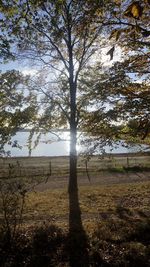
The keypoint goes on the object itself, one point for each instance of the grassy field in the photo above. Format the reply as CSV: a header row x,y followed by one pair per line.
x,y
118,181
115,210
95,202
59,166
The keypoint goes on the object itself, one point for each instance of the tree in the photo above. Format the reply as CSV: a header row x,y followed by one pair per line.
x,y
5,53
129,26
17,106
131,32
121,104
62,36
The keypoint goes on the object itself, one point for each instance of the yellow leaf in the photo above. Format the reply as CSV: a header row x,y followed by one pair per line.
x,y
135,10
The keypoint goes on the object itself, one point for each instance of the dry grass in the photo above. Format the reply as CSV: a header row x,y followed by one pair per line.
x,y
115,214
106,194
95,201
59,166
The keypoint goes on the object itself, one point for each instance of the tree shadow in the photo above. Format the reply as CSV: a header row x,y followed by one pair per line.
x,y
77,239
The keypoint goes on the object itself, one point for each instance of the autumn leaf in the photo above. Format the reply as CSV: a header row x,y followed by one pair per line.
x,y
135,10
117,2
115,34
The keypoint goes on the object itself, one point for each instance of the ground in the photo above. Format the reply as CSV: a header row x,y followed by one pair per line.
x,y
111,182
114,198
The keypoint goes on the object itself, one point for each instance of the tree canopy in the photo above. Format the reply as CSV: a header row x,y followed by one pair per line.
x,y
129,25
17,106
63,38
120,104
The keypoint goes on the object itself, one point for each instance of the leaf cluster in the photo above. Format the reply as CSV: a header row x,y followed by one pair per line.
x,y
17,106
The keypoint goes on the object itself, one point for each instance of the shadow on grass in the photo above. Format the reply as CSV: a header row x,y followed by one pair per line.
x,y
122,240
116,241
39,246
78,245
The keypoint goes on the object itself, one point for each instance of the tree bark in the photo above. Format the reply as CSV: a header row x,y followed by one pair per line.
x,y
73,187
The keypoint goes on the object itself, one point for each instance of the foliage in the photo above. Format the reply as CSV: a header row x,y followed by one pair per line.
x,y
47,242
17,106
118,106
129,26
12,202
113,242
13,196
61,36
42,245
5,53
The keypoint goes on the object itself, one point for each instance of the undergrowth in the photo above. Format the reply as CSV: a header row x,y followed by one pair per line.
x,y
117,241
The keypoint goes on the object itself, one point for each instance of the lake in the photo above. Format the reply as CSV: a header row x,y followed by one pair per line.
x,y
50,145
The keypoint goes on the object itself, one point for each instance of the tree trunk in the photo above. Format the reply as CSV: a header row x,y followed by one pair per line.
x,y
73,187
78,241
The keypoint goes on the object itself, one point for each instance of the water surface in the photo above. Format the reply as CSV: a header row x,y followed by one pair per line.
x,y
50,145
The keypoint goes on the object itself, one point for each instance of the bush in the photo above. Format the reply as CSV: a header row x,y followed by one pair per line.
x,y
36,246
136,255
47,241
12,203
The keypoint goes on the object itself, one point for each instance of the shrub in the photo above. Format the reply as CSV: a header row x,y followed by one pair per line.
x,y
12,203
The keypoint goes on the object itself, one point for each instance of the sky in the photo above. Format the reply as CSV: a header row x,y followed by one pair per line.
x,y
27,69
